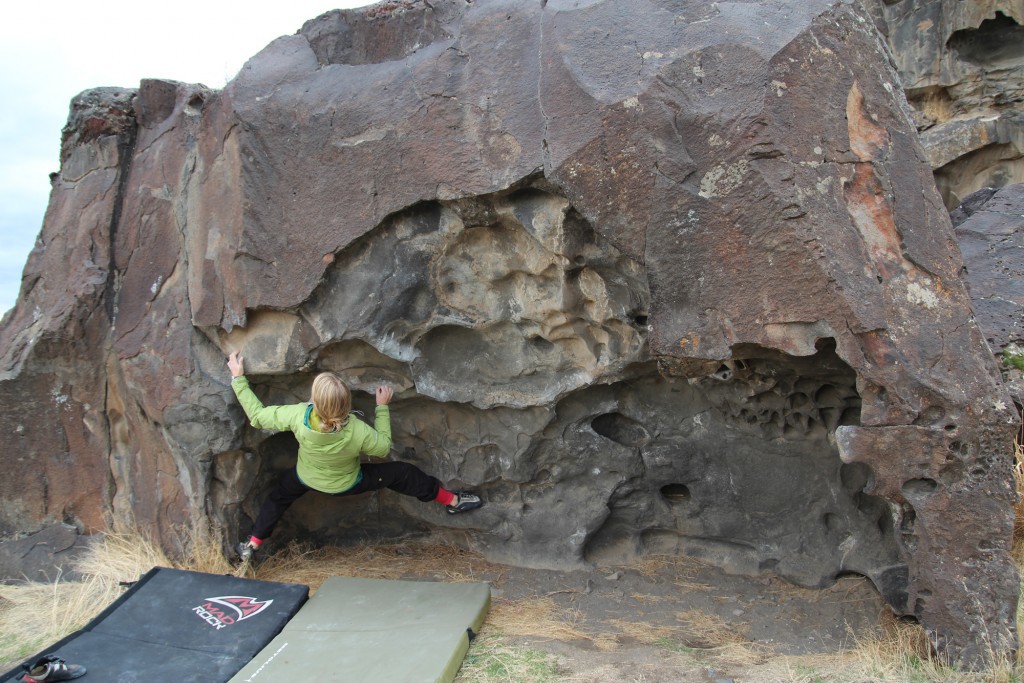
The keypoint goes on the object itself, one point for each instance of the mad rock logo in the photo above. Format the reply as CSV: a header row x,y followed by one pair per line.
x,y
229,609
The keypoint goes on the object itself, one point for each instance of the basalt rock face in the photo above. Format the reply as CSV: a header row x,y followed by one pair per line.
x,y
661,279
989,226
962,65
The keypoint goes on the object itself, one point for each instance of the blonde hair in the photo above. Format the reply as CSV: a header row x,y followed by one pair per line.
x,y
332,401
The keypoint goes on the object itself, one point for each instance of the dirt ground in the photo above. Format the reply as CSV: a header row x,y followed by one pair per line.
x,y
660,620
674,620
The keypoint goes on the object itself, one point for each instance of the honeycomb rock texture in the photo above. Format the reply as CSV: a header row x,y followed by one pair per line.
x,y
671,277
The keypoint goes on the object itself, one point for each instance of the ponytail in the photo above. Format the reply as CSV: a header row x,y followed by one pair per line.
x,y
332,401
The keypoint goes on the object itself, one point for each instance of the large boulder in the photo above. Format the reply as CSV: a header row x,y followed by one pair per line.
x,y
666,279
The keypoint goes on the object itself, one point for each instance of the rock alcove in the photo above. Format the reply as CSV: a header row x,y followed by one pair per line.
x,y
516,337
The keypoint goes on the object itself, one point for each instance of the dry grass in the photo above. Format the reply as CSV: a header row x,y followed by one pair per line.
x,y
1018,524
34,614
900,653
491,659
721,640
682,567
705,637
311,566
540,617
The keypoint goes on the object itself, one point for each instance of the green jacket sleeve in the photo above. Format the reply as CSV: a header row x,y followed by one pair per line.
x,y
275,418
377,442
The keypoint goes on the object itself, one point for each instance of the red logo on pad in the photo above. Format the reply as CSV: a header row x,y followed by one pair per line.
x,y
229,609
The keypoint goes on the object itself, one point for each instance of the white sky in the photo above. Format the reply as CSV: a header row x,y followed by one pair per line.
x,y
51,51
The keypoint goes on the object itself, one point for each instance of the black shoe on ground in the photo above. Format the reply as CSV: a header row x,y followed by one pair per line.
x,y
465,502
52,668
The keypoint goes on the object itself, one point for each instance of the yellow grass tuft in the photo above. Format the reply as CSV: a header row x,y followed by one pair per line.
x,y
680,566
1018,526
539,617
718,638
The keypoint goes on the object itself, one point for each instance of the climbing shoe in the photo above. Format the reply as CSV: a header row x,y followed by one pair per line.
x,y
245,549
464,502
51,668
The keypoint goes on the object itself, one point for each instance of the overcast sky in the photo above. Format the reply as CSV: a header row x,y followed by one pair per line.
x,y
51,51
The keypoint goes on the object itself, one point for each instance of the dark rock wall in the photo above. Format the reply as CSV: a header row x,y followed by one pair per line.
x,y
989,226
662,278
962,64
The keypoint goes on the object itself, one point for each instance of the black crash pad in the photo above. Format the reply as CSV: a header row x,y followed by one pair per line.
x,y
175,625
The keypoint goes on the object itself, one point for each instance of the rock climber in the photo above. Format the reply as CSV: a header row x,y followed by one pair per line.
x,y
331,440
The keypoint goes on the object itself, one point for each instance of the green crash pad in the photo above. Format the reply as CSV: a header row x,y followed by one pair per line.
x,y
356,629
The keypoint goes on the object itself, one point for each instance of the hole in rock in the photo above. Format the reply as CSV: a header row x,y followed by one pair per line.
x,y
908,520
918,488
931,415
854,476
997,41
988,544
870,506
541,344
850,417
676,493
723,373
957,447
640,320
620,429
829,395
893,583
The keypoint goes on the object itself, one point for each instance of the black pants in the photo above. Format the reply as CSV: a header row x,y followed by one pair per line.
x,y
402,477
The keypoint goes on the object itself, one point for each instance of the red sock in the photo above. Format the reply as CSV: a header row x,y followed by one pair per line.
x,y
256,541
444,497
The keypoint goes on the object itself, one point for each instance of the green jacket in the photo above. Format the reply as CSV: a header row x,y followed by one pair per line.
x,y
328,461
